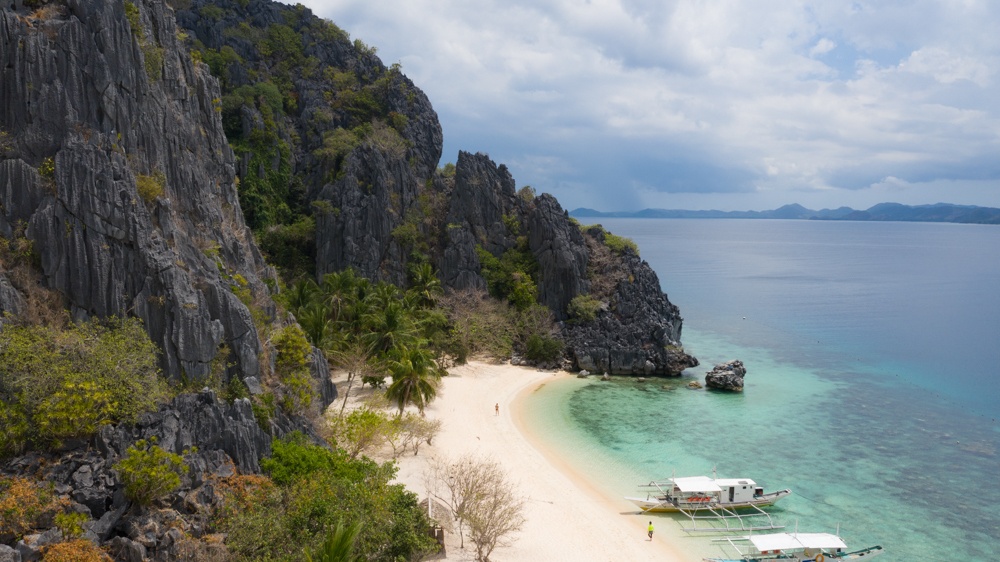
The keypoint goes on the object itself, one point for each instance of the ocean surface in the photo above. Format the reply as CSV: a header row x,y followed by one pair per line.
x,y
872,391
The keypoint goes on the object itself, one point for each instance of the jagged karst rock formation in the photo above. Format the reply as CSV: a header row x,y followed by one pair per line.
x,y
356,184
116,171
117,167
82,97
727,376
379,200
638,332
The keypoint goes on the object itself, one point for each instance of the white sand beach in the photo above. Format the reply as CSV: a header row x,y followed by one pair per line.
x,y
567,519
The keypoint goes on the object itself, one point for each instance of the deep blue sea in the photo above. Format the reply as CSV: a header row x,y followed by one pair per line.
x,y
873,384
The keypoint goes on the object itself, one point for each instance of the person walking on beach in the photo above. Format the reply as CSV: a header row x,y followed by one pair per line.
x,y
497,408
650,533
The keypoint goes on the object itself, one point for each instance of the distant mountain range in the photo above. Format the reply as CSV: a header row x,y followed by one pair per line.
x,y
939,212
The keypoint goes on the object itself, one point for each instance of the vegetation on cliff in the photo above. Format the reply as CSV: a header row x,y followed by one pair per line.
x,y
61,384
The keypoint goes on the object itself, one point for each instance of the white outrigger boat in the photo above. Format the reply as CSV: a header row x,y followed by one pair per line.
x,y
701,492
794,547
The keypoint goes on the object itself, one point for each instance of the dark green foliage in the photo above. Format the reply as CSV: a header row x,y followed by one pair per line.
x,y
264,197
511,276
291,247
320,489
294,457
542,348
211,12
292,369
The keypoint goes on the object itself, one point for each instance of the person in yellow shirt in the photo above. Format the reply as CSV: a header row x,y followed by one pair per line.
x,y
650,530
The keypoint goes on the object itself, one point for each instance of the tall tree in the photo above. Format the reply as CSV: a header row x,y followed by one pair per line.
x,y
415,378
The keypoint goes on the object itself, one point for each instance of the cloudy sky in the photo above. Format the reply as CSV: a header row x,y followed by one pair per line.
x,y
708,104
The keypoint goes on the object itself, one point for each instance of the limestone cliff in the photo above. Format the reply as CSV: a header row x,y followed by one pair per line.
x,y
364,143
118,171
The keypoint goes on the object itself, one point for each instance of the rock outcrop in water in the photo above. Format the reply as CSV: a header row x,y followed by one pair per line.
x,y
727,376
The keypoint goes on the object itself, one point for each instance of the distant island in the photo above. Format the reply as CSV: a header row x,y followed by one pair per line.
x,y
939,212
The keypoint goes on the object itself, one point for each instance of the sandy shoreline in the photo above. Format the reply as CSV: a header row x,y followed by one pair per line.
x,y
567,518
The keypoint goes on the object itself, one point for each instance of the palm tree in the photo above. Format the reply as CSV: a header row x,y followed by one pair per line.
x,y
301,294
389,327
338,545
415,378
425,285
342,291
315,321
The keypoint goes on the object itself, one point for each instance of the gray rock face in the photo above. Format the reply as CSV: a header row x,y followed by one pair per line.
x,y
640,330
482,197
99,108
368,193
637,334
727,376
369,202
8,554
197,420
561,253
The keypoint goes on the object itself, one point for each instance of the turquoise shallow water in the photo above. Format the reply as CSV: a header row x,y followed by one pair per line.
x,y
871,389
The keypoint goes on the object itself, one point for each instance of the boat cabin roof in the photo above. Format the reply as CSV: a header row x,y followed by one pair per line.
x,y
796,541
706,484
727,482
696,484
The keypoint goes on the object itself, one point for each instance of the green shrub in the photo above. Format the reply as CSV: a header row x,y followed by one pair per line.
x,y
71,523
264,407
211,12
148,472
151,187
47,169
543,348
75,409
64,383
292,369
294,457
511,275
583,308
152,56
281,522
132,15
527,194
619,244
15,429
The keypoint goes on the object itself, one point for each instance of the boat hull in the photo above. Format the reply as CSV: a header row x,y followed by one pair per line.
x,y
863,554
654,505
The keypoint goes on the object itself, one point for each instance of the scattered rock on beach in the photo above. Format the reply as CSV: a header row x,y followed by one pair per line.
x,y
727,376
